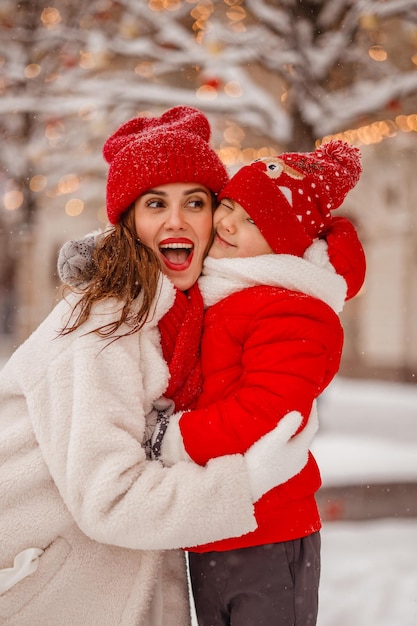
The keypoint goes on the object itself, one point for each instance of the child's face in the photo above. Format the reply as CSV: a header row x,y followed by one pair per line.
x,y
236,234
176,221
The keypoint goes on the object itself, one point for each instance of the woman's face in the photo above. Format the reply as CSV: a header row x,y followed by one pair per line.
x,y
176,221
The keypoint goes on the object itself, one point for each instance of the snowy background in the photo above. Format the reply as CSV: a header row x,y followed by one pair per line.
x,y
368,435
271,75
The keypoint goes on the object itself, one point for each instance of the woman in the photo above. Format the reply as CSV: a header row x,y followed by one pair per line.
x,y
89,527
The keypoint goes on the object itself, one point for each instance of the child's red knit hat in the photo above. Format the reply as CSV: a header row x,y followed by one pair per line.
x,y
150,151
290,197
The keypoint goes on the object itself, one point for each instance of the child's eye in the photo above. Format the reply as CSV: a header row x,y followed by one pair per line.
x,y
250,220
226,206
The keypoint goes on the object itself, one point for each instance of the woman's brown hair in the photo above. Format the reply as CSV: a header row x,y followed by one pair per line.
x,y
123,268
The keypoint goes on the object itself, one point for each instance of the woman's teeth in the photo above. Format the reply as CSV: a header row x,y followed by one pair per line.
x,y
176,253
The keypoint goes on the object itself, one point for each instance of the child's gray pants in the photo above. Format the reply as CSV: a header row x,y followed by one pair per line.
x,y
270,585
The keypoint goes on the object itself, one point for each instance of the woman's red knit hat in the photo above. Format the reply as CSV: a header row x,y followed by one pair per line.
x,y
150,151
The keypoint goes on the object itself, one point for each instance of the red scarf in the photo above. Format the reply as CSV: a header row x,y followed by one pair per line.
x,y
180,330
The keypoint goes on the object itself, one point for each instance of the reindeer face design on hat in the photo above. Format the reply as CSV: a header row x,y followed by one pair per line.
x,y
276,166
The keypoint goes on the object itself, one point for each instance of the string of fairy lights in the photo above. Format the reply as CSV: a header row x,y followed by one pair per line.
x,y
231,149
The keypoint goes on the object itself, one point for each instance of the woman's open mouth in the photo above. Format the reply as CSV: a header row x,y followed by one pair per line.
x,y
177,254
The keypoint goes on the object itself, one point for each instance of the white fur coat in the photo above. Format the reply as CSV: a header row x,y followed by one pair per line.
x,y
75,485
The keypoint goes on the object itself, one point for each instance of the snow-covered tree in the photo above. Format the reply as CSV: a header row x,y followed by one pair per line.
x,y
270,74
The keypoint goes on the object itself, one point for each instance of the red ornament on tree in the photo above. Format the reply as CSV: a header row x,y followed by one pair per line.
x,y
394,105
215,83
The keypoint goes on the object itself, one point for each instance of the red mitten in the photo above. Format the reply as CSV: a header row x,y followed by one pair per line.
x,y
346,253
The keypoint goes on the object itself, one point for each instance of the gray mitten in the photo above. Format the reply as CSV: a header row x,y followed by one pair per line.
x,y
278,456
151,421
75,260
168,441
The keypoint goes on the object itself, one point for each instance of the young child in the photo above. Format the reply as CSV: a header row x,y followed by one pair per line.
x,y
278,272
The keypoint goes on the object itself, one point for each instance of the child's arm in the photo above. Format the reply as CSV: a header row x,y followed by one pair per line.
x,y
291,356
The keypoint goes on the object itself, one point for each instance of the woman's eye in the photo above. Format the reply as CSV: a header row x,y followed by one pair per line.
x,y
196,204
155,204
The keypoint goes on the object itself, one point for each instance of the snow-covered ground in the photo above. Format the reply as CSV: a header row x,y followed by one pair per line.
x,y
368,434
369,573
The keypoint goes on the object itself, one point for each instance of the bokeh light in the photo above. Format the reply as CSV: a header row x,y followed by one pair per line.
x,y
38,183
50,17
13,200
74,207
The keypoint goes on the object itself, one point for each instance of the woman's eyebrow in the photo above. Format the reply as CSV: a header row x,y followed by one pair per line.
x,y
154,192
186,193
194,190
